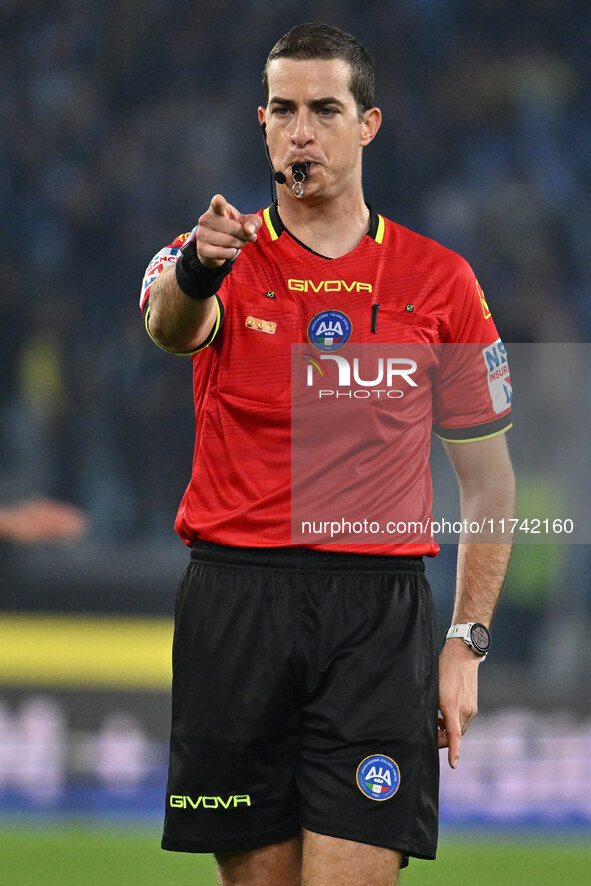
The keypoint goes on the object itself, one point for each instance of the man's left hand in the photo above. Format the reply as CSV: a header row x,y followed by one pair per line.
x,y
458,695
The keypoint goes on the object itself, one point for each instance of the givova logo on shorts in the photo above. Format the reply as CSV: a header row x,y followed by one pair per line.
x,y
378,777
183,801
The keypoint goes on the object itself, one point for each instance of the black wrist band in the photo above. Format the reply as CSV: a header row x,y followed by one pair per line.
x,y
196,280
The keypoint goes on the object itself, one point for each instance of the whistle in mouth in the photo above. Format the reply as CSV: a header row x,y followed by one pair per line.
x,y
299,172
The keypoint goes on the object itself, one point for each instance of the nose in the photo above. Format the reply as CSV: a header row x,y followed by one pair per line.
x,y
302,133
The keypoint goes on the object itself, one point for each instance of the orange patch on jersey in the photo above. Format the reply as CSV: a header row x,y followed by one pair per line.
x,y
259,325
485,308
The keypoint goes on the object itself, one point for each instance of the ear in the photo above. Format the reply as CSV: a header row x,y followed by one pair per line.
x,y
262,115
370,123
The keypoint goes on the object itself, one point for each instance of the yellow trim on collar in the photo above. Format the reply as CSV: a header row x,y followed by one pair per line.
x,y
381,230
269,223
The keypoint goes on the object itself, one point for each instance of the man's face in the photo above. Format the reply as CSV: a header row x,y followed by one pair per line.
x,y
312,117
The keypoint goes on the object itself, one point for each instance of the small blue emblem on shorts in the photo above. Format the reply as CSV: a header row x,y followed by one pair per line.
x,y
378,777
329,330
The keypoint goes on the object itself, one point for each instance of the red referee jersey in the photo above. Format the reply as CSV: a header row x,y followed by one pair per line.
x,y
317,390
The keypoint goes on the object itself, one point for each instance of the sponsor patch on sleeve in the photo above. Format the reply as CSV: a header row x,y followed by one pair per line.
x,y
160,261
498,376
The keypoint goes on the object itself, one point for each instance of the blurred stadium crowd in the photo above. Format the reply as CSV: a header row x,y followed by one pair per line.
x,y
121,119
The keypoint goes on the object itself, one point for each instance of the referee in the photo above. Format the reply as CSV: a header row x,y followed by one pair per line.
x,y
306,680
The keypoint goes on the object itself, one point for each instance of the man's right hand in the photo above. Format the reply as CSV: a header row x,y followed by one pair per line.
x,y
222,231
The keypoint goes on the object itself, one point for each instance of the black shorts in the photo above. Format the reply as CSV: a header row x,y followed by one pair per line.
x,y
305,693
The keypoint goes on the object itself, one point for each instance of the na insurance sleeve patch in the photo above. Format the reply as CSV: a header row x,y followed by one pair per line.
x,y
498,376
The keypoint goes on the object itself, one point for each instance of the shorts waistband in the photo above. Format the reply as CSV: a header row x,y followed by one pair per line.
x,y
304,559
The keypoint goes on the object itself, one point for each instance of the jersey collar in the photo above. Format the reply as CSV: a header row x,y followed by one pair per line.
x,y
276,227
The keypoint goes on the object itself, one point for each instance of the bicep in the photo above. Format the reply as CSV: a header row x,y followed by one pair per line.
x,y
481,463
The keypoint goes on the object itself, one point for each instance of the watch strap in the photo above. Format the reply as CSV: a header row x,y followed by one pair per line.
x,y
474,634
196,280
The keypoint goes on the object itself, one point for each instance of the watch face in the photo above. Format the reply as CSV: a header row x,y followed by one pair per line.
x,y
480,637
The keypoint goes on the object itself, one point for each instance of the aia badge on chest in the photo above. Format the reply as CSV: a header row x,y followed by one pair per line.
x,y
378,777
329,330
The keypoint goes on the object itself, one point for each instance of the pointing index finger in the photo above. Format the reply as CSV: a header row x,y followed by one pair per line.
x,y
220,205
247,224
251,224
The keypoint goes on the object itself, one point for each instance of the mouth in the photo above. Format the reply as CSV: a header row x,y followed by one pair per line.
x,y
305,166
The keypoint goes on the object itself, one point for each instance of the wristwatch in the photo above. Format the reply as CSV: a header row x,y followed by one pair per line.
x,y
474,634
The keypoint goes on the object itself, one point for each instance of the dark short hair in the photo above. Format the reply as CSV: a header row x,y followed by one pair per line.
x,y
314,40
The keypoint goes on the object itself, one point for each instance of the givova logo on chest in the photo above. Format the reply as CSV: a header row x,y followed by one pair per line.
x,y
328,286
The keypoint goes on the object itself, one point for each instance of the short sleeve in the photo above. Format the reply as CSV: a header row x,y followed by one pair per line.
x,y
472,389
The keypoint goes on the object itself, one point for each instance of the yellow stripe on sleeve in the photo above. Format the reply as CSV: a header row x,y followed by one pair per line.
x,y
475,439
206,343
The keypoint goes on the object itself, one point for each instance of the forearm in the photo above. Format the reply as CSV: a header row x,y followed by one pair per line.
x,y
486,501
487,494
175,321
481,571
41,519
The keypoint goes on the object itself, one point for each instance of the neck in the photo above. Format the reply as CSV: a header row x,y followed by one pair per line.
x,y
331,228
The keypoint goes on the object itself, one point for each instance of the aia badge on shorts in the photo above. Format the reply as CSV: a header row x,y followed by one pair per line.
x,y
378,777
329,330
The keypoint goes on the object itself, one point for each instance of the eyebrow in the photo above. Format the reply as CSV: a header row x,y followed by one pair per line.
x,y
314,104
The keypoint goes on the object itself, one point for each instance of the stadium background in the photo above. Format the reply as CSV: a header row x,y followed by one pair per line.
x,y
119,121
